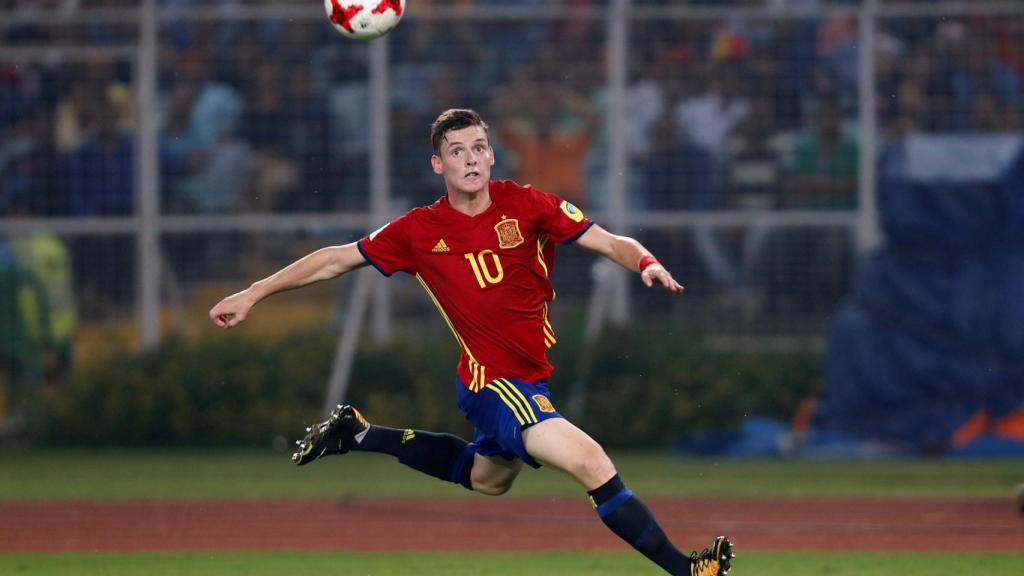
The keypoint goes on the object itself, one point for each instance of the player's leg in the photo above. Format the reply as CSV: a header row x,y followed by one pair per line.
x,y
443,456
560,444
494,475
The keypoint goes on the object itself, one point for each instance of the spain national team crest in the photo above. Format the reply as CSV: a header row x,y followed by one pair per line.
x,y
543,403
509,235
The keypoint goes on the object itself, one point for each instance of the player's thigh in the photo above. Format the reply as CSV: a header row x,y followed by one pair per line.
x,y
560,444
494,475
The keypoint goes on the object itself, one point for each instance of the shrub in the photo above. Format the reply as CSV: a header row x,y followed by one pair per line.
x,y
646,388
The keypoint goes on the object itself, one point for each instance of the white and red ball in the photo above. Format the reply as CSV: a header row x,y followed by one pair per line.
x,y
364,19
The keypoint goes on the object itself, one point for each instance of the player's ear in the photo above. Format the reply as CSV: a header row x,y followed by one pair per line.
x,y
435,162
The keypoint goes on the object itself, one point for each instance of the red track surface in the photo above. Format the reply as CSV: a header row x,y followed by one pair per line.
x,y
505,524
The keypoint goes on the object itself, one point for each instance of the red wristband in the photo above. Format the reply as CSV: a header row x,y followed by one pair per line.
x,y
647,261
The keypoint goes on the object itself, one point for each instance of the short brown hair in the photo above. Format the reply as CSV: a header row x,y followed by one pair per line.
x,y
453,119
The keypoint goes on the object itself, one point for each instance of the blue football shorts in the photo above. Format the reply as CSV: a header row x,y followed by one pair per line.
x,y
501,410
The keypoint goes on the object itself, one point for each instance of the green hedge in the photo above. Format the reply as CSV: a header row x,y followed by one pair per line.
x,y
646,389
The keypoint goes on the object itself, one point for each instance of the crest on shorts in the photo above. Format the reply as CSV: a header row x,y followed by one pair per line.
x,y
509,235
543,403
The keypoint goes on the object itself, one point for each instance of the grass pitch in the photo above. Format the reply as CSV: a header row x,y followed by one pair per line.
x,y
213,474
56,474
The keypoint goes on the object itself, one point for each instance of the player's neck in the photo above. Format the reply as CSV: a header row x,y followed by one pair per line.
x,y
470,204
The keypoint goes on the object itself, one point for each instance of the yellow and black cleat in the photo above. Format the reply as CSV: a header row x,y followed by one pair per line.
x,y
336,435
715,560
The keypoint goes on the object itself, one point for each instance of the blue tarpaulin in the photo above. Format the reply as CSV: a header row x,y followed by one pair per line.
x,y
934,332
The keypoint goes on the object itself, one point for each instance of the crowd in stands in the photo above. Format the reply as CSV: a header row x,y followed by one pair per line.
x,y
272,116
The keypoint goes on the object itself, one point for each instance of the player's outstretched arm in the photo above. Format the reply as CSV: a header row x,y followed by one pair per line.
x,y
323,264
629,254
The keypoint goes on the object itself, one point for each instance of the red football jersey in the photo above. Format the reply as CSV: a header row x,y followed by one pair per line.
x,y
487,274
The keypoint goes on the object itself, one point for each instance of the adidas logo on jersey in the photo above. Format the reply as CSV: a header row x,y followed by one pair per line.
x,y
441,246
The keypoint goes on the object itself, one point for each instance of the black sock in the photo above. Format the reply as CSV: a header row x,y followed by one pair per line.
x,y
630,519
442,456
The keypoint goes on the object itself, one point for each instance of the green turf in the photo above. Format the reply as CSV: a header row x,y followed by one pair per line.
x,y
56,474
479,564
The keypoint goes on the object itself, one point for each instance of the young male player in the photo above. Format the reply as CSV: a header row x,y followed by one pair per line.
x,y
483,253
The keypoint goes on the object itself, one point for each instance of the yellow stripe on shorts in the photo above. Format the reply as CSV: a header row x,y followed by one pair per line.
x,y
531,416
513,407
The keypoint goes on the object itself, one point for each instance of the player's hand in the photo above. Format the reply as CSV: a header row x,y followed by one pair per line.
x,y
657,273
231,311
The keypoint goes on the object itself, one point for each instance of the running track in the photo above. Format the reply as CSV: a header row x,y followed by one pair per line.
x,y
480,523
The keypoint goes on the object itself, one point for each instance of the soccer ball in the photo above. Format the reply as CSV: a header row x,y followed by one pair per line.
x,y
364,19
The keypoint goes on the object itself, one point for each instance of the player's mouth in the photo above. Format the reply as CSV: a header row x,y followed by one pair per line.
x,y
471,175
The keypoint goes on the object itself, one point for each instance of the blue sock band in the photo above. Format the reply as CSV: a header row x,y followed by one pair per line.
x,y
630,520
612,504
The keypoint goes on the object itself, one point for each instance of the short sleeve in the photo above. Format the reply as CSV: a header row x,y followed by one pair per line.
x,y
559,219
388,247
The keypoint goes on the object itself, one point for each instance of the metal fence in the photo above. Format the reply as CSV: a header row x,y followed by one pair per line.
x,y
180,149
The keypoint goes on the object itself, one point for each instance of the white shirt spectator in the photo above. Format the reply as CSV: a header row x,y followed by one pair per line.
x,y
707,120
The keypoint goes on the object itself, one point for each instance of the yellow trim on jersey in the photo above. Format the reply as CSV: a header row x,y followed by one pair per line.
x,y
532,416
509,403
549,332
541,240
476,370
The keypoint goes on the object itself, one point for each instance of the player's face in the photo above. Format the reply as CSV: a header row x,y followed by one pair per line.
x,y
465,160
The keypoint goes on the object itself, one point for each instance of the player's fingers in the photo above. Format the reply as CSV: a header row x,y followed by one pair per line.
x,y
669,283
646,278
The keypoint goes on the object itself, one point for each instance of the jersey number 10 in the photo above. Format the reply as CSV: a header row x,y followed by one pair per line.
x,y
482,268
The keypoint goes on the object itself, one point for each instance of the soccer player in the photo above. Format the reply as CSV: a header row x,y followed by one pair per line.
x,y
484,253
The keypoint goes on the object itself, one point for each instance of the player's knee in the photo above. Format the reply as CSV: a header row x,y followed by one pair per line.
x,y
492,489
594,467
494,484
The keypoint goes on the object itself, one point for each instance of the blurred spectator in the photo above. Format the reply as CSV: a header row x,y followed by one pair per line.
x,y
264,126
100,90
17,84
890,55
753,174
916,108
26,31
287,130
30,172
968,69
419,185
675,174
309,140
708,118
101,171
823,168
837,49
44,256
793,53
548,129
23,314
648,97
206,163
